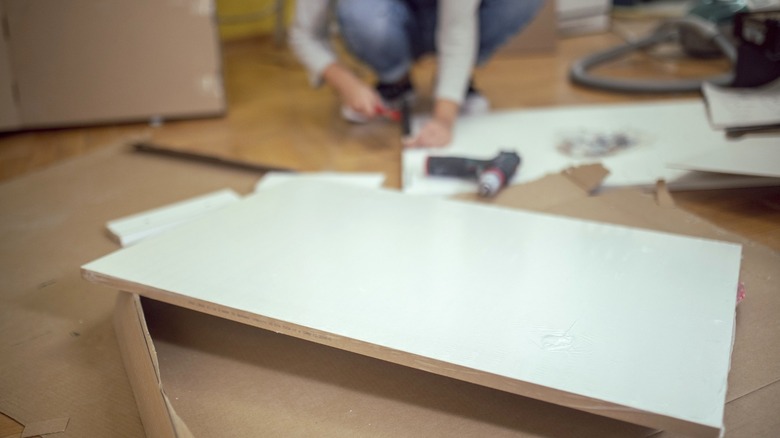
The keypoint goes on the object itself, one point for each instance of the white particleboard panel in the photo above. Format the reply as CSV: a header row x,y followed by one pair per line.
x,y
664,132
743,107
363,179
134,228
622,322
759,160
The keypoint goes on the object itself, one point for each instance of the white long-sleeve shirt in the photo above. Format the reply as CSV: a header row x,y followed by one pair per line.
x,y
456,40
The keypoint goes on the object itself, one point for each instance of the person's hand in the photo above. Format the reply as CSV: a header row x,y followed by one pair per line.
x,y
437,132
353,92
361,98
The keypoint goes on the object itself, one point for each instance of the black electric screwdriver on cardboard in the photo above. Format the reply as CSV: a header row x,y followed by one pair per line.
x,y
491,175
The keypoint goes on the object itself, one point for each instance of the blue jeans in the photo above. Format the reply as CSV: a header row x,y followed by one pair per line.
x,y
389,35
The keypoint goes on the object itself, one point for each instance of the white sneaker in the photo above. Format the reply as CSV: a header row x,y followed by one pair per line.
x,y
474,104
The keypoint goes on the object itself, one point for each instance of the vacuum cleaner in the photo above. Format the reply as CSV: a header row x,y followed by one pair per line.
x,y
708,30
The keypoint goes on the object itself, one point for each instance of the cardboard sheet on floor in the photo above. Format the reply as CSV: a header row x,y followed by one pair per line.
x,y
426,283
59,357
634,141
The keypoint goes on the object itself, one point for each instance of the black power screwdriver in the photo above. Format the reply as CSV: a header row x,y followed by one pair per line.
x,y
491,175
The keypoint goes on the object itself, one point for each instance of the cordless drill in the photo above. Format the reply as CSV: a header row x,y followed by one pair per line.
x,y
491,175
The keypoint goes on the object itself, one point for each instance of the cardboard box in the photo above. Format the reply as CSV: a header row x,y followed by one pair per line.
x,y
61,359
79,62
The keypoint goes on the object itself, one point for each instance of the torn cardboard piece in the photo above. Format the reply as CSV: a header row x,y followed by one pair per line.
x,y
103,270
46,427
142,368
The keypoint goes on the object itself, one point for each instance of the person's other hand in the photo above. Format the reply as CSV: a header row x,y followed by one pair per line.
x,y
435,133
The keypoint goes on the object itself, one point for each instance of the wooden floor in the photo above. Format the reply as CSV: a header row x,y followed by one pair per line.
x,y
275,118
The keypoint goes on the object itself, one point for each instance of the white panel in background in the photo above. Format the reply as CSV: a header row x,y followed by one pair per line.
x,y
367,179
618,321
657,134
132,229
743,107
758,160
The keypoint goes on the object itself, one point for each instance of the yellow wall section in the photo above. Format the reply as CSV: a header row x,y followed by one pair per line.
x,y
242,18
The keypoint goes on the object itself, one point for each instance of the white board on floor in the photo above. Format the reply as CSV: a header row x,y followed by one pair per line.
x,y
363,179
636,142
134,228
758,160
622,322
